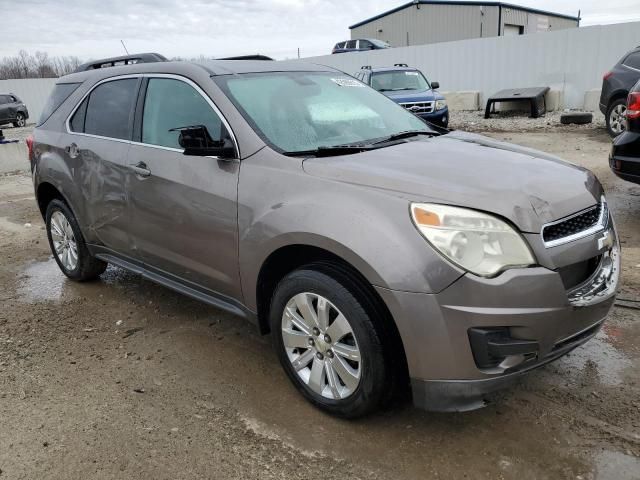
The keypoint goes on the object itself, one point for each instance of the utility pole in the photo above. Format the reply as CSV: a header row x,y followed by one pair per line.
x,y
125,48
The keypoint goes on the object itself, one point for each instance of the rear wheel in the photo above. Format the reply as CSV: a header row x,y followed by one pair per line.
x,y
68,246
21,121
328,344
616,117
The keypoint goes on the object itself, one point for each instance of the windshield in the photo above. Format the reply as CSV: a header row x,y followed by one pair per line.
x,y
379,43
398,80
303,111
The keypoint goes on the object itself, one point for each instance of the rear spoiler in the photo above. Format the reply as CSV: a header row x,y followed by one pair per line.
x,y
119,61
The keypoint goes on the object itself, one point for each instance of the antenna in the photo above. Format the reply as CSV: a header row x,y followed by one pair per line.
x,y
124,46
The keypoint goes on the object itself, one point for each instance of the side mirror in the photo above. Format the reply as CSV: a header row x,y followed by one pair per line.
x,y
435,85
197,141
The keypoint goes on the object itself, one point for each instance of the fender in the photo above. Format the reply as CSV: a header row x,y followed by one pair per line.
x,y
306,210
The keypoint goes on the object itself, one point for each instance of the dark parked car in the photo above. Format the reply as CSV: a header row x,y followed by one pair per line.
x,y
615,88
378,252
12,110
408,87
625,153
360,45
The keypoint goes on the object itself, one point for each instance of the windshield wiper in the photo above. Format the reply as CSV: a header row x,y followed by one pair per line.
x,y
407,134
331,151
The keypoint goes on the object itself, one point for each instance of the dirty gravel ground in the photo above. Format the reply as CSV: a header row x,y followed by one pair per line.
x,y
121,378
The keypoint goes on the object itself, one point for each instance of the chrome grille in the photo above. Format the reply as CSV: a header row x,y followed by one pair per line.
x,y
419,107
581,224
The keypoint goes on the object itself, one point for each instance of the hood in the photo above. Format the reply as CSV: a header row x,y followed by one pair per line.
x,y
403,96
526,186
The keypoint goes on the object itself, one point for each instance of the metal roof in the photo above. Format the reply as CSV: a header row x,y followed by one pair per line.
x,y
467,3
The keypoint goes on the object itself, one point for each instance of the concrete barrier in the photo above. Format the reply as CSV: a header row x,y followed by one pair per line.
x,y
13,157
592,101
462,100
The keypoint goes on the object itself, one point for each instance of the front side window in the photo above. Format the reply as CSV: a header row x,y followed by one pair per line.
x,y
300,111
633,61
365,45
399,80
171,104
110,109
351,44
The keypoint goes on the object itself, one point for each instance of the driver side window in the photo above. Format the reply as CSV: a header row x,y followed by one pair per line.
x,y
171,104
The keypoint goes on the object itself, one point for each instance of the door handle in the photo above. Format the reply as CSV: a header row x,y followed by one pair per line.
x,y
141,169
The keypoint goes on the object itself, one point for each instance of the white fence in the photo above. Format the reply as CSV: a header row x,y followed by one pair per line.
x,y
32,91
571,61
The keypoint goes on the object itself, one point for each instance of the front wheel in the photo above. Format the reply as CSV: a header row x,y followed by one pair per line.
x,y
21,121
616,117
68,246
328,344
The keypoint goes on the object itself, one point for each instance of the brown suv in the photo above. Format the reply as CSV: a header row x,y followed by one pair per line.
x,y
375,249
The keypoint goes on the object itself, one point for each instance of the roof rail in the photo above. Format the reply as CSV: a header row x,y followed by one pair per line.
x,y
119,61
365,67
400,65
257,56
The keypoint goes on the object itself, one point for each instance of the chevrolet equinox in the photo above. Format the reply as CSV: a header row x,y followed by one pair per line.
x,y
379,252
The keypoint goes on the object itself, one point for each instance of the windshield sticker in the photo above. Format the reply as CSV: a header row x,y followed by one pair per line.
x,y
347,82
414,74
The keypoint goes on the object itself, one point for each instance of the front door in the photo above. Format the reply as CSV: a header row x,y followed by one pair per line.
x,y
4,108
183,208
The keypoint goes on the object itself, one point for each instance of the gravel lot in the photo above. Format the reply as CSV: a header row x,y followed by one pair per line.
x,y
122,378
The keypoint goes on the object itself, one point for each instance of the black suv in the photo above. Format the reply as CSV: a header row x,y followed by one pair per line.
x,y
615,88
12,110
625,154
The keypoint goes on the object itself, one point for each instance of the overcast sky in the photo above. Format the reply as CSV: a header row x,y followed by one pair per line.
x,y
214,28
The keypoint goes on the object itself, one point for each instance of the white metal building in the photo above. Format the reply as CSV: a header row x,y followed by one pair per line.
x,y
431,21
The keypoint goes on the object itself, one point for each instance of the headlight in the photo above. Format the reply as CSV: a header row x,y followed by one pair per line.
x,y
440,104
475,241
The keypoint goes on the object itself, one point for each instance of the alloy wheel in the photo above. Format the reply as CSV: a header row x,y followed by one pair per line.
x,y
64,241
321,346
21,120
618,119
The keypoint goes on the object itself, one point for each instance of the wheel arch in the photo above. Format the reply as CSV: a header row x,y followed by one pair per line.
x,y
45,193
288,258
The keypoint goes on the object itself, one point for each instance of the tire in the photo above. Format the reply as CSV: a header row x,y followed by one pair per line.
x,y
20,120
344,396
616,124
577,118
68,246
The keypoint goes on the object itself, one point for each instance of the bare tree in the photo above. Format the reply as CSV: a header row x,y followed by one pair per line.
x,y
40,65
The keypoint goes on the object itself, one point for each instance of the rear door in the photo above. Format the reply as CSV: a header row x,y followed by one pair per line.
x,y
96,144
183,208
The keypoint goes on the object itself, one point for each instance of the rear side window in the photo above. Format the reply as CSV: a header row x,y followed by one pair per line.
x,y
109,111
77,122
633,61
171,104
60,93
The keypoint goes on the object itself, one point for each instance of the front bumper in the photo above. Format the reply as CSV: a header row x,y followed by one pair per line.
x,y
531,304
439,117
